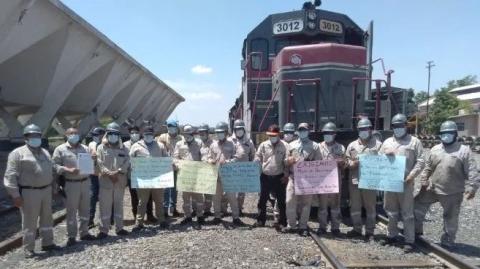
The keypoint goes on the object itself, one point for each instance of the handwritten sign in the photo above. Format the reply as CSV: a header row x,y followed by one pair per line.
x,y
240,177
316,177
383,173
85,164
152,173
198,177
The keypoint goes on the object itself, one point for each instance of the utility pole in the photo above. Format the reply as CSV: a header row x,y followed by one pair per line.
x,y
429,67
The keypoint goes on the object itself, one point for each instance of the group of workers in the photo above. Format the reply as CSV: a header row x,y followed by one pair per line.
x,y
447,174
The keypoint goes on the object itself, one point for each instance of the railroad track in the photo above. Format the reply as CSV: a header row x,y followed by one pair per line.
x,y
442,257
15,241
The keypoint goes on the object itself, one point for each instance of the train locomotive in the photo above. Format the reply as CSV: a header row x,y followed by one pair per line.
x,y
313,66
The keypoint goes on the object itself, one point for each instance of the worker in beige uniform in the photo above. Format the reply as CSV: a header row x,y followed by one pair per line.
x,y
365,144
148,147
298,206
206,142
97,136
189,149
169,140
274,175
244,152
77,185
450,173
113,162
396,204
223,151
28,180
331,150
135,136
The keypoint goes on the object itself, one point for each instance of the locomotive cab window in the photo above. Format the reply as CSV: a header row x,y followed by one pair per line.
x,y
259,54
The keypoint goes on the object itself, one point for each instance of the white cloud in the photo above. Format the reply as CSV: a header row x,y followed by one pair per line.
x,y
201,69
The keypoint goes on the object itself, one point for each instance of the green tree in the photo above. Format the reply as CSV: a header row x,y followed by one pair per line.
x,y
447,105
420,97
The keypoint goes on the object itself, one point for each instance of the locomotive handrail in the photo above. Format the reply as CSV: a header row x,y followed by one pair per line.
x,y
258,81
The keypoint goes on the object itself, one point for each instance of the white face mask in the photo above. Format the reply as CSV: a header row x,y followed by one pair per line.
x,y
148,138
204,137
447,138
364,134
288,137
328,138
34,142
112,138
172,130
96,139
274,139
220,136
239,133
135,137
73,139
303,134
399,132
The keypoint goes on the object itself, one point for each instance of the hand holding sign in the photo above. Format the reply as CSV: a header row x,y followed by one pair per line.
x,y
240,177
316,177
381,172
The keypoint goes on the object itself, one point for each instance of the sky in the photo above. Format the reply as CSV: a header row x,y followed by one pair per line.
x,y
195,46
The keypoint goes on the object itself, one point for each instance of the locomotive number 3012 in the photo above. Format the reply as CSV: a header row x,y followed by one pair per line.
x,y
290,26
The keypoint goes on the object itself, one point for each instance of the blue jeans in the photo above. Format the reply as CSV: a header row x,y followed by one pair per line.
x,y
93,196
170,195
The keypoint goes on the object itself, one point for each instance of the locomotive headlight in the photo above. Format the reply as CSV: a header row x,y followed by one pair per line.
x,y
311,25
312,15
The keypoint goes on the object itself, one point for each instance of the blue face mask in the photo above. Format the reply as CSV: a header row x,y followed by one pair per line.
x,y
73,139
447,138
303,135
34,142
148,138
112,139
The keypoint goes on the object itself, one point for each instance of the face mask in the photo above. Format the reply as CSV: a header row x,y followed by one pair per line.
x,y
172,130
204,137
447,138
96,139
148,139
135,137
328,138
288,137
274,139
303,134
73,139
189,138
399,132
220,136
364,135
34,142
239,133
112,139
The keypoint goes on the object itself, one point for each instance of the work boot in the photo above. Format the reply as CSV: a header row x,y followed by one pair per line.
x,y
353,234
207,213
102,235
216,221
51,247
240,213
194,214
138,228
238,222
418,235
408,248
201,220
186,220
336,232
259,224
288,230
91,224
388,241
368,236
87,237
28,254
122,232
71,241
175,213
321,231
303,232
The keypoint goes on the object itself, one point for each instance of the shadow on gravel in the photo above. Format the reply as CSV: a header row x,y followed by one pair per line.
x,y
465,250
